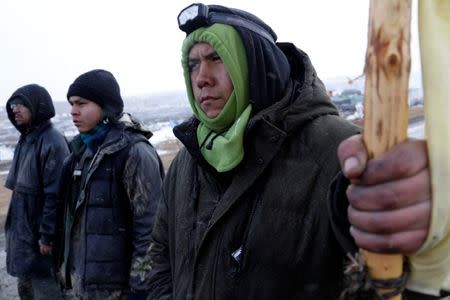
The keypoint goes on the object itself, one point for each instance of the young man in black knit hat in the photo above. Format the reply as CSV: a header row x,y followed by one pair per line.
x,y
244,212
33,179
110,190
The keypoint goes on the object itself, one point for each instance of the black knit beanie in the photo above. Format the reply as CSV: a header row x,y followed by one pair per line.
x,y
101,87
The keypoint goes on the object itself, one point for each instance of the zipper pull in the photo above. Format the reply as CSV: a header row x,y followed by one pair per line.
x,y
237,254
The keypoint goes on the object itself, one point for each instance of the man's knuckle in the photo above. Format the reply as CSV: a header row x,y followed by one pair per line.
x,y
379,223
354,195
391,197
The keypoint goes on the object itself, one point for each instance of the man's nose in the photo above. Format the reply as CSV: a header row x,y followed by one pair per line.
x,y
204,76
73,110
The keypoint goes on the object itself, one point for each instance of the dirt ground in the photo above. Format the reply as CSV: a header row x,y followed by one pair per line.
x,y
5,194
7,283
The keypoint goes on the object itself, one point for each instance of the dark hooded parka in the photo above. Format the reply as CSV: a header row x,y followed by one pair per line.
x,y
33,179
260,230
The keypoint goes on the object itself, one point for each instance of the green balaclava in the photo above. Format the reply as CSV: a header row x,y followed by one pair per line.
x,y
221,139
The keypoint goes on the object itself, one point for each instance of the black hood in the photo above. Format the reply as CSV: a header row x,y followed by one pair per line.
x,y
305,98
302,100
37,100
268,67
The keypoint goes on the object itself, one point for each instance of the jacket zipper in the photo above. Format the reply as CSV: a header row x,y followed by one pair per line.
x,y
239,254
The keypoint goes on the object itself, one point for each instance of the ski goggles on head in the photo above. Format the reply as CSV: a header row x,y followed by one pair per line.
x,y
199,15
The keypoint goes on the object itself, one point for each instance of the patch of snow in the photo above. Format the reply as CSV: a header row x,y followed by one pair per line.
x,y
6,153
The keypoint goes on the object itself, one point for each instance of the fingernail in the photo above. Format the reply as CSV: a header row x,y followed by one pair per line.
x,y
350,164
352,231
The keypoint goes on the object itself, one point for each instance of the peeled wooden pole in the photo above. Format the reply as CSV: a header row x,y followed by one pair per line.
x,y
386,71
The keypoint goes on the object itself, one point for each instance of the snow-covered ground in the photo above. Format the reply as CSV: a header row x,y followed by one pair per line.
x,y
417,130
6,153
162,132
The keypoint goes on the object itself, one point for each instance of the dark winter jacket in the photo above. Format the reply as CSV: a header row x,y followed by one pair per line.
x,y
33,179
262,230
109,211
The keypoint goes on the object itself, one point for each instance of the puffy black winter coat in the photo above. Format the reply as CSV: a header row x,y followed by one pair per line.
x,y
109,219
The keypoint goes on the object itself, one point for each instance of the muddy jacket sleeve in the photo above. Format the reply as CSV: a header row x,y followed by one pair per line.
x,y
160,275
51,158
142,181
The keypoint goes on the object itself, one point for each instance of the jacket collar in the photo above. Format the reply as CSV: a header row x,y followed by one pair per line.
x,y
34,134
114,141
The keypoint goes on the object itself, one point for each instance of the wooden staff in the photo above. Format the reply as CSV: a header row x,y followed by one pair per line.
x,y
386,71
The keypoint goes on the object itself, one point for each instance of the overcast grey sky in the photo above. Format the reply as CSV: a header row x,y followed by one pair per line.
x,y
51,42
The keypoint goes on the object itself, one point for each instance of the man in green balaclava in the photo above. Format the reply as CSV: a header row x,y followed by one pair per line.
x,y
219,95
255,205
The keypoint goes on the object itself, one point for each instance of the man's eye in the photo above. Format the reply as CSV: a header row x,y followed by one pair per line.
x,y
216,58
192,65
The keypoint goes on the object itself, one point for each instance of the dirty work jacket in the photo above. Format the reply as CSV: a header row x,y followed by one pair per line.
x,y
268,235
